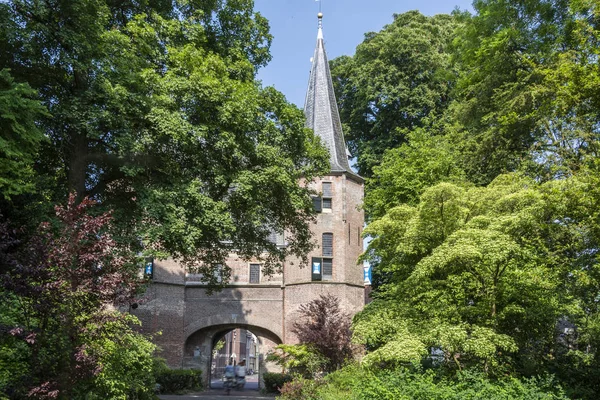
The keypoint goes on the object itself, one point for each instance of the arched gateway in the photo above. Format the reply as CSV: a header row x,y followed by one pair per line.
x,y
189,318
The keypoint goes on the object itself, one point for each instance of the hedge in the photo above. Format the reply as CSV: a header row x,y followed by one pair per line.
x,y
179,380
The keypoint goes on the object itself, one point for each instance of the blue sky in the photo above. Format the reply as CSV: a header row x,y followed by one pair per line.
x,y
294,27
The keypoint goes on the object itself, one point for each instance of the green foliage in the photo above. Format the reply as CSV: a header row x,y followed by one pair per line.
x,y
477,272
275,381
125,359
523,99
300,389
358,383
175,381
66,339
156,114
483,211
20,137
406,171
398,77
298,359
14,353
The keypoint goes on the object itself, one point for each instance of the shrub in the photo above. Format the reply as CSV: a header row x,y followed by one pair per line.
x,y
275,381
354,382
178,380
301,389
326,328
298,359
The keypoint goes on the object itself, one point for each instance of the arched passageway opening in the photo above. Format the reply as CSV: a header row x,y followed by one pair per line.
x,y
239,348
214,347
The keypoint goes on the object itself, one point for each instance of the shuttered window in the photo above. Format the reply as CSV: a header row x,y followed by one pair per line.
x,y
324,203
276,238
326,188
327,244
317,204
254,273
327,269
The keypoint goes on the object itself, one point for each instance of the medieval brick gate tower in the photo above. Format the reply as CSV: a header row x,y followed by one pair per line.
x,y
191,321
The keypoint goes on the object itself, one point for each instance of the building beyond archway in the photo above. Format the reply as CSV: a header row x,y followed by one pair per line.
x,y
189,318
241,342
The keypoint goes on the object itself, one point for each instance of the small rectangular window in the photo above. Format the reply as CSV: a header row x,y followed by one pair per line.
x,y
327,269
254,273
327,203
327,244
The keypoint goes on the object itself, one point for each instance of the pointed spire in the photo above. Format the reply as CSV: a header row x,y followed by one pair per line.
x,y
321,110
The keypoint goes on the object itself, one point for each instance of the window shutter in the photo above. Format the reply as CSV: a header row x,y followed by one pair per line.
x,y
326,188
327,269
317,204
254,273
276,238
327,244
280,239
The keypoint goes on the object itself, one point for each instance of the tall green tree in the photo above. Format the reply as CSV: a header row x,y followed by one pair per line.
x,y
405,172
397,78
488,275
523,97
156,114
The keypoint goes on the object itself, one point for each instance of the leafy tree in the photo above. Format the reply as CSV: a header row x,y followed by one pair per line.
x,y
523,100
326,328
407,171
62,287
483,274
156,114
398,77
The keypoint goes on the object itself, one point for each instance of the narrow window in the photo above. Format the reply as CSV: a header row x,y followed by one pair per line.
x,y
327,269
316,268
218,272
326,188
327,244
254,273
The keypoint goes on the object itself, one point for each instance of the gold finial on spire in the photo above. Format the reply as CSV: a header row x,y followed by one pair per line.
x,y
320,15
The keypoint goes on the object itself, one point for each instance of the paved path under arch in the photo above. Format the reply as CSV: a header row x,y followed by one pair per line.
x,y
218,394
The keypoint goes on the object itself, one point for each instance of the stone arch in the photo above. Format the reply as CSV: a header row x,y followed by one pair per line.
x,y
199,344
